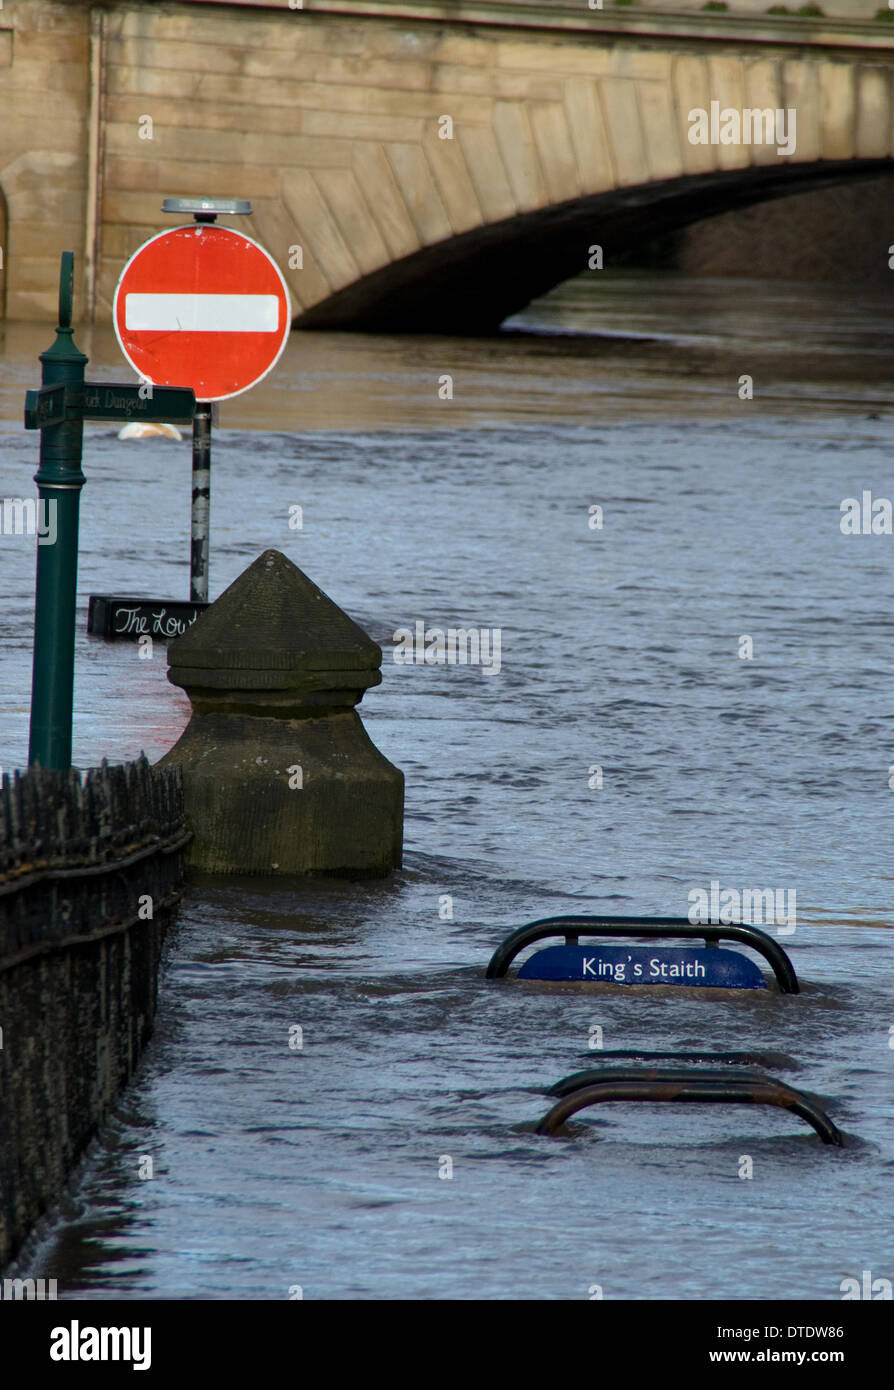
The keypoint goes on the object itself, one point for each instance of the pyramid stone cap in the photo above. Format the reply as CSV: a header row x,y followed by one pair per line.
x,y
273,629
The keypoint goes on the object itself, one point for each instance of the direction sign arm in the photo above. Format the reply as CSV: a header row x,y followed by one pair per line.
x,y
108,400
112,400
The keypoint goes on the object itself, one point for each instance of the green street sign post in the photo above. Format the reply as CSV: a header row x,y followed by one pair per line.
x,y
58,409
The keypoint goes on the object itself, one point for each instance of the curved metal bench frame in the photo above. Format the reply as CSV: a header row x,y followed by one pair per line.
x,y
597,1076
573,928
676,1086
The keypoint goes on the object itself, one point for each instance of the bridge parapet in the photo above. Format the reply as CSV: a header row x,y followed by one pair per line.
x,y
580,16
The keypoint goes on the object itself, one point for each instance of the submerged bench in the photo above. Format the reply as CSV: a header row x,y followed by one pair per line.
x,y
694,1085
709,967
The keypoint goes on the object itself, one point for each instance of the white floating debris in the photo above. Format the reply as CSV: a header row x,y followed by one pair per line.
x,y
140,429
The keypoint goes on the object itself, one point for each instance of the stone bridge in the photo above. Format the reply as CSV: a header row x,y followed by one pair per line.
x,y
414,166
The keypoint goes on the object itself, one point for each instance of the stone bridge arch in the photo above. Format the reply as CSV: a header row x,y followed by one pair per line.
x,y
569,128
470,282
572,145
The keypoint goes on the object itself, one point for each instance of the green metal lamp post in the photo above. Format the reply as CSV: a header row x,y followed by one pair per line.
x,y
59,481
58,409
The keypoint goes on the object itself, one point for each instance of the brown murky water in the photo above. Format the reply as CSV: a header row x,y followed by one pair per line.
x,y
634,345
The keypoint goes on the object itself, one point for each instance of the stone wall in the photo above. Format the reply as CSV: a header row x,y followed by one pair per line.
x,y
44,105
834,234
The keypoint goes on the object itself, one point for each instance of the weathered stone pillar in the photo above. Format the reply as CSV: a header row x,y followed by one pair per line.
x,y
279,774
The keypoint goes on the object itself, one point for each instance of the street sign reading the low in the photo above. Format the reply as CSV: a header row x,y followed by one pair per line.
x,y
202,306
118,616
108,400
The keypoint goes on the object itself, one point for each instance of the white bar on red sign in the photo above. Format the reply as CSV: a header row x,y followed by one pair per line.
x,y
202,313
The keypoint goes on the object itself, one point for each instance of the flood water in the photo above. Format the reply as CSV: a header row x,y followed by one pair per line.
x,y
320,1168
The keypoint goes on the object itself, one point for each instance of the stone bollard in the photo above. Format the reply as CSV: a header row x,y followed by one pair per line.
x,y
279,774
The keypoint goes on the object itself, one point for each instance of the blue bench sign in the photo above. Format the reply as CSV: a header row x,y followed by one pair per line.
x,y
708,967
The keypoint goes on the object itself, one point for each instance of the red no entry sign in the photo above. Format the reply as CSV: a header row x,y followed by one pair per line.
x,y
202,306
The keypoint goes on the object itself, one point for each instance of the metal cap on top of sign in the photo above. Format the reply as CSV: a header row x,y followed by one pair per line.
x,y
202,306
